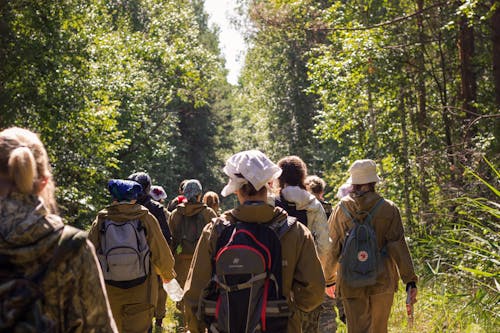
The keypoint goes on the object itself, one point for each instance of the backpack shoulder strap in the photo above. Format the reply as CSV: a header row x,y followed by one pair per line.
x,y
371,213
282,227
346,211
368,217
220,225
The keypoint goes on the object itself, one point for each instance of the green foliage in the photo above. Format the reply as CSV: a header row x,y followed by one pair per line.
x,y
382,80
462,257
277,112
112,87
115,87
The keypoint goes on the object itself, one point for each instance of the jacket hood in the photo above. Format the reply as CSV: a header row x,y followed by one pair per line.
x,y
123,211
256,212
299,196
27,231
190,208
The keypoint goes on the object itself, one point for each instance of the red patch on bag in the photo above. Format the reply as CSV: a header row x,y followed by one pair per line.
x,y
362,256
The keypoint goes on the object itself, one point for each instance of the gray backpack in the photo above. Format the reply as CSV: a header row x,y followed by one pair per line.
x,y
124,253
361,260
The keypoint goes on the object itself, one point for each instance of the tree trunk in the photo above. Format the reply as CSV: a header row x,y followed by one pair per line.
x,y
495,23
421,114
406,166
371,109
468,84
445,111
495,29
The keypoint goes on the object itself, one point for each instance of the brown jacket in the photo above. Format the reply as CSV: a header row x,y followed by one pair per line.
x,y
303,280
74,294
161,258
183,249
177,218
390,234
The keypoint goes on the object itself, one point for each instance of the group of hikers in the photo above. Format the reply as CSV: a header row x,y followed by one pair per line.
x,y
282,260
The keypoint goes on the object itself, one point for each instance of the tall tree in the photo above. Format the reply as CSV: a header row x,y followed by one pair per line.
x,y
495,23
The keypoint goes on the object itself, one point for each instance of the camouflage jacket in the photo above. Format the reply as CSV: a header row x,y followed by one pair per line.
x,y
74,294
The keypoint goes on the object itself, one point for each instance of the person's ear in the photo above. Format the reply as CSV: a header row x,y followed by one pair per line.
x,y
40,184
240,197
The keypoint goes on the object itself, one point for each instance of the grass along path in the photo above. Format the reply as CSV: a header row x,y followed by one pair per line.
x,y
434,313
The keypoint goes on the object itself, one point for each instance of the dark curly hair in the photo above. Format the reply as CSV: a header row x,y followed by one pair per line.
x,y
294,172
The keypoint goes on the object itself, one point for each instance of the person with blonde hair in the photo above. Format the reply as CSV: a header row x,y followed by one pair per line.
x,y
211,199
35,244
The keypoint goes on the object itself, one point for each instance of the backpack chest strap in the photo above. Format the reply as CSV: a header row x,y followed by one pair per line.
x,y
241,286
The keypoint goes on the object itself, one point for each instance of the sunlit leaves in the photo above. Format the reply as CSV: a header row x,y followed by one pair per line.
x,y
103,82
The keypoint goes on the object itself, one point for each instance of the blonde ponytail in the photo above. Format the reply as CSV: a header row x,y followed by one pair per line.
x,y
22,169
24,160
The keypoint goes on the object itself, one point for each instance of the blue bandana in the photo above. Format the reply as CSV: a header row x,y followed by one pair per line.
x,y
124,190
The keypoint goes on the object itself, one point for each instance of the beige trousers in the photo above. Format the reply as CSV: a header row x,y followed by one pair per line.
x,y
368,314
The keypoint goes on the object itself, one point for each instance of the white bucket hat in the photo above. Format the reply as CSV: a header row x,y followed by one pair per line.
x,y
363,172
255,167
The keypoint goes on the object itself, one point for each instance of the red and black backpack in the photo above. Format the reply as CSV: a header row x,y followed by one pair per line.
x,y
245,292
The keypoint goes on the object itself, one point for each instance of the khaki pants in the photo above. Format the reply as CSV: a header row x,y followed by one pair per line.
x,y
368,314
133,308
133,318
181,267
160,309
182,264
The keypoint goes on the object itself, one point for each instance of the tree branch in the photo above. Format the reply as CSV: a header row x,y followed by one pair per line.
x,y
393,21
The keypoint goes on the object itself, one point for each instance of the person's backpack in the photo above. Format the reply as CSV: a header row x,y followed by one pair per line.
x,y
21,296
189,232
245,292
360,259
124,253
291,209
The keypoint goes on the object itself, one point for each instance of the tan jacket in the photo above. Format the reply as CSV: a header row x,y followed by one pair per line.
x,y
183,249
74,294
303,281
161,258
390,234
177,218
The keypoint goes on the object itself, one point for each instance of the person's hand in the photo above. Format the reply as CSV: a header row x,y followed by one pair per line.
x,y
330,291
